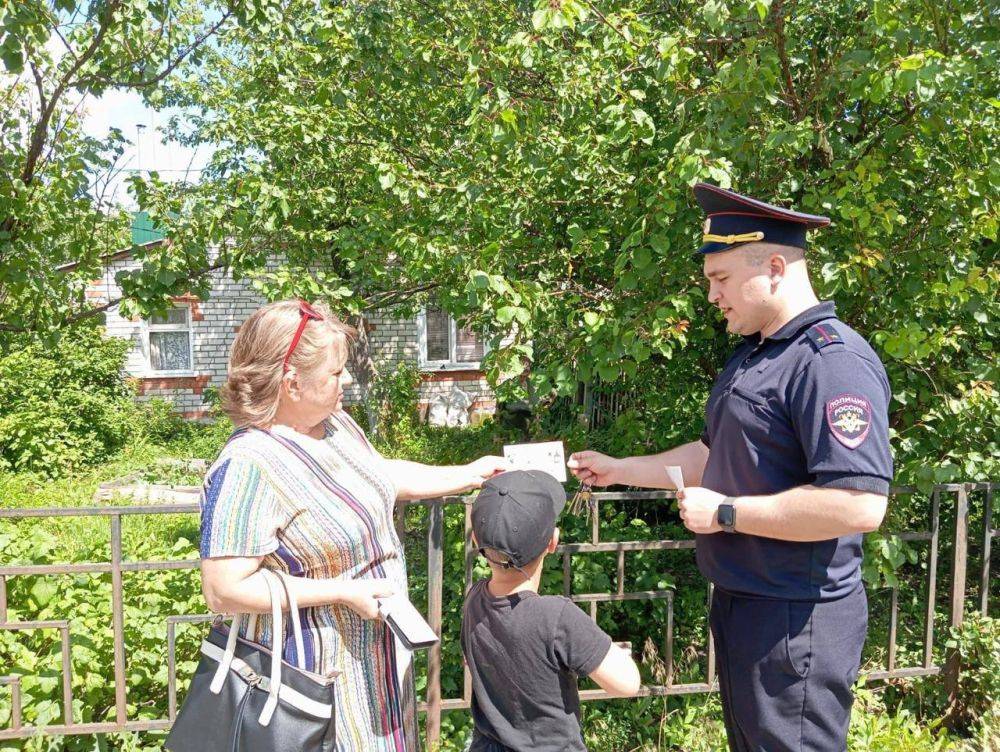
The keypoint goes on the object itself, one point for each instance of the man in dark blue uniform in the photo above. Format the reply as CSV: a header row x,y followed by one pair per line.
x,y
793,467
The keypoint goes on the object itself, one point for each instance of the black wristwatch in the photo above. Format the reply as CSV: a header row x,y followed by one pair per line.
x,y
727,515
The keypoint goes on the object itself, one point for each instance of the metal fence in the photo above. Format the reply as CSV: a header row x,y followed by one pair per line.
x,y
957,495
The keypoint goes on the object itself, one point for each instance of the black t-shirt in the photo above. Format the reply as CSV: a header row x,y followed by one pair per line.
x,y
525,652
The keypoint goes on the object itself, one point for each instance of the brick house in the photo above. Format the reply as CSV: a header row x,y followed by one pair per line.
x,y
177,356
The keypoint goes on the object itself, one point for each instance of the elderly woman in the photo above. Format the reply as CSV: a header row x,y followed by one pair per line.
x,y
299,489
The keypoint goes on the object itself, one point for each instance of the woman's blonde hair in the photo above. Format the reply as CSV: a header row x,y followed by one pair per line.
x,y
250,394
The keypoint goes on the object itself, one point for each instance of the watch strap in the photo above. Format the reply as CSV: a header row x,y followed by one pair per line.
x,y
731,526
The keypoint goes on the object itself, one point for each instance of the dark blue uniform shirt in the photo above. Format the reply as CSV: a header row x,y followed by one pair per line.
x,y
806,406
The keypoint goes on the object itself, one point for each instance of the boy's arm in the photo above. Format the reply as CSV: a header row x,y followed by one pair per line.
x,y
584,648
617,675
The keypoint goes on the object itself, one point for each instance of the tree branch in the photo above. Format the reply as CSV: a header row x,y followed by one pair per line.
x,y
908,111
391,297
607,22
42,126
777,12
91,312
39,85
171,67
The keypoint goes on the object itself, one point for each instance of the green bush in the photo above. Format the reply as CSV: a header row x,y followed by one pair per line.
x,y
876,728
978,644
975,704
85,600
65,406
200,440
158,421
986,737
392,403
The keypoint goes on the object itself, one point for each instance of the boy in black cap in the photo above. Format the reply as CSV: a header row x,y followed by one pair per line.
x,y
524,650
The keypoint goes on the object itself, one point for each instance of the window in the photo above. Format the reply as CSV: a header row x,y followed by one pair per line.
x,y
168,341
443,344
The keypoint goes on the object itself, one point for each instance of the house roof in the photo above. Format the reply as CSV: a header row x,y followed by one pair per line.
x,y
143,229
144,233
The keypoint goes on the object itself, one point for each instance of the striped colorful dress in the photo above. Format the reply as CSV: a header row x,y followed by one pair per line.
x,y
322,508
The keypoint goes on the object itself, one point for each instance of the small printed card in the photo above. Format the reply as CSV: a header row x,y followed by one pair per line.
x,y
548,456
676,476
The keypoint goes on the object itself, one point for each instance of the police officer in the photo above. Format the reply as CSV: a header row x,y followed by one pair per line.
x,y
792,468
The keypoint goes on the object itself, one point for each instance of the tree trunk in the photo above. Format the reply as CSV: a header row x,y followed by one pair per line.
x,y
363,370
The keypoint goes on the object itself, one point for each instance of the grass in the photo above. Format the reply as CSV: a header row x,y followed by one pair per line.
x,y
72,537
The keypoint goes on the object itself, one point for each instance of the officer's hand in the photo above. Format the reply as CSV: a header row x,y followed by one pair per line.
x,y
594,468
699,509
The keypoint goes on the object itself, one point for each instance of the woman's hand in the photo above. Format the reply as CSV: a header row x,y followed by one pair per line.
x,y
416,481
485,468
361,596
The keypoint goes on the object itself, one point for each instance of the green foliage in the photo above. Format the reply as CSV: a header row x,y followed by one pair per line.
x,y
978,644
529,170
874,728
986,737
63,407
55,207
48,214
160,421
883,557
69,405
149,597
392,403
157,422
201,441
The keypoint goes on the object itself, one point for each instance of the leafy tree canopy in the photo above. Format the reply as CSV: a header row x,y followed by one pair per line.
x,y
529,168
57,56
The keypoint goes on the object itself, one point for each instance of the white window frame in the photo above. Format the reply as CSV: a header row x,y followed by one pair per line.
x,y
443,365
148,327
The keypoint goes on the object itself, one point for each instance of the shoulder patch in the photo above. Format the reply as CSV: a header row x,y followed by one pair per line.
x,y
824,334
849,418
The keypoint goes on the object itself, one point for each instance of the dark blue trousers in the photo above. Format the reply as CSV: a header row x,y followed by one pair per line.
x,y
786,670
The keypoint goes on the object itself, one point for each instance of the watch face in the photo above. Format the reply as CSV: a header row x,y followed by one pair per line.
x,y
726,515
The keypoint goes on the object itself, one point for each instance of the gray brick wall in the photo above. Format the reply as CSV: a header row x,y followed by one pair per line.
x,y
214,325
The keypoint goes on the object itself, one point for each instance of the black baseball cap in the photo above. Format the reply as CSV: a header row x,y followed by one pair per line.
x,y
516,512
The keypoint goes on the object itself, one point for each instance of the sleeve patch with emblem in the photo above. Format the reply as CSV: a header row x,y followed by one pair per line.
x,y
849,418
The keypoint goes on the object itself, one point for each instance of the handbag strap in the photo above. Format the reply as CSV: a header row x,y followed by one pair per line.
x,y
277,632
277,640
293,611
219,679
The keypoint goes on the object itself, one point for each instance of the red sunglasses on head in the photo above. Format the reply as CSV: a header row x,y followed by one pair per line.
x,y
306,312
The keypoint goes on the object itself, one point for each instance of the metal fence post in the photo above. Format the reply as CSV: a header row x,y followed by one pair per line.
x,y
988,533
118,618
953,663
435,585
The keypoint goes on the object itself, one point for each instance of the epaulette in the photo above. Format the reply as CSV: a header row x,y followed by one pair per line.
x,y
824,334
